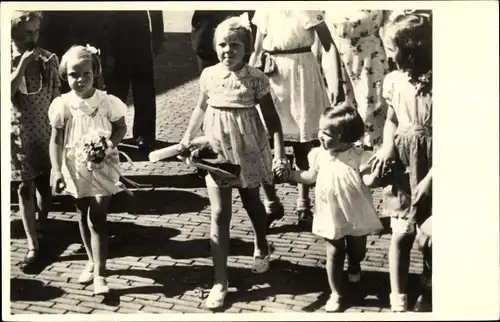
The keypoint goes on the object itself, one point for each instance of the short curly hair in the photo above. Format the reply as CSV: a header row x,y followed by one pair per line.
x,y
412,36
344,121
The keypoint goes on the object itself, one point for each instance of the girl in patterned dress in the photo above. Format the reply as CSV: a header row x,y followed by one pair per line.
x,y
85,109
226,107
408,141
363,66
34,84
297,86
344,213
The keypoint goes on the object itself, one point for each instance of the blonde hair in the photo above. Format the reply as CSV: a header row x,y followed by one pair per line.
x,y
78,52
236,26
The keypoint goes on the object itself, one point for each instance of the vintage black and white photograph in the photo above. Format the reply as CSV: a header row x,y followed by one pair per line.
x,y
201,161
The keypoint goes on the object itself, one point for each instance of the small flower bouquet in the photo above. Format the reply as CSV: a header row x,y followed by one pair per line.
x,y
95,147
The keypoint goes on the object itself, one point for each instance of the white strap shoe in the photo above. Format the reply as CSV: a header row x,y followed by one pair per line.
x,y
216,297
100,286
87,274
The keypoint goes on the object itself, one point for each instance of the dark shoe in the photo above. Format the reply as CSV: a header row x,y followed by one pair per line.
x,y
305,216
275,215
143,145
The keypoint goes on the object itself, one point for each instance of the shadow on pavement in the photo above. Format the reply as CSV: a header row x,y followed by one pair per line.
x,y
144,202
158,202
183,181
62,233
283,278
31,290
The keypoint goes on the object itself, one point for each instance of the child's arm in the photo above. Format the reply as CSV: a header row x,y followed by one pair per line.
x,y
273,124
118,131
370,178
305,177
196,119
56,146
387,151
18,73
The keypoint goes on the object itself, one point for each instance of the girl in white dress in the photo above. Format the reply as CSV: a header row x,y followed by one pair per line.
x,y
344,213
72,115
226,106
297,86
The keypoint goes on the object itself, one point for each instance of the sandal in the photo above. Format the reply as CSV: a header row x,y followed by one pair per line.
x,y
100,286
333,303
261,265
216,297
31,257
305,216
398,303
87,274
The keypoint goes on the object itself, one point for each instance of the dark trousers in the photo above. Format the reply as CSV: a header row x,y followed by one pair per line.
x,y
143,90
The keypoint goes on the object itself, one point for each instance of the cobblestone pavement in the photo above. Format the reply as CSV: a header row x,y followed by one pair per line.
x,y
159,252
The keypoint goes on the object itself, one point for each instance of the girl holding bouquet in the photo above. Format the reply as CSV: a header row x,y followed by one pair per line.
x,y
87,124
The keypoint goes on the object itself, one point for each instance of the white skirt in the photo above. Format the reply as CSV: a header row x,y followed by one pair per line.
x,y
299,94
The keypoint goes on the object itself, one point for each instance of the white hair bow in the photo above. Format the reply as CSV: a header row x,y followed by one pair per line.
x,y
93,50
245,20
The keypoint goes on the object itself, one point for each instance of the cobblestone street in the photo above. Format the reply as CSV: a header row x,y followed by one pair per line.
x,y
159,252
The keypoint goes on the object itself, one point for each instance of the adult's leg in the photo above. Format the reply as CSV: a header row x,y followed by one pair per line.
x,y
143,89
300,151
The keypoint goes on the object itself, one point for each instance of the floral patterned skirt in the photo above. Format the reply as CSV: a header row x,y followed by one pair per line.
x,y
364,66
240,136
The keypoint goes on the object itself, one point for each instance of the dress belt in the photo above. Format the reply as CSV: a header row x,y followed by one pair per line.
x,y
299,50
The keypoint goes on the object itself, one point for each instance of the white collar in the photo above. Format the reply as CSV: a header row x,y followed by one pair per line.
x,y
86,105
226,73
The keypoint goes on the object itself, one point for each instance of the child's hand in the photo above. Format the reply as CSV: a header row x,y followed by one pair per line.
x,y
57,183
30,56
282,169
381,159
423,189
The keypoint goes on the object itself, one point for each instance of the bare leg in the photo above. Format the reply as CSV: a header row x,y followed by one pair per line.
x,y
255,210
26,193
335,257
301,150
43,198
82,208
356,251
98,234
220,202
399,262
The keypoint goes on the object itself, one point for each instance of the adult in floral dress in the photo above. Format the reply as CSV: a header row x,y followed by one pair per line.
x,y
364,65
